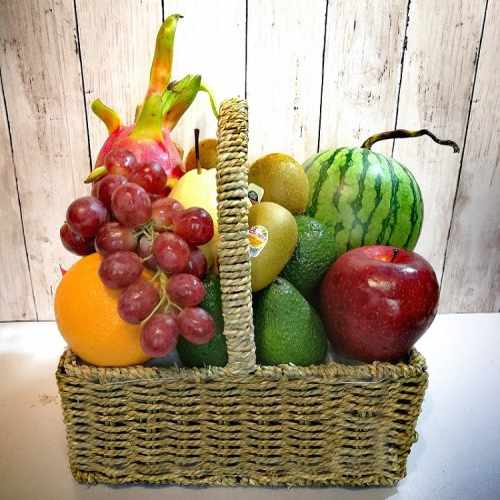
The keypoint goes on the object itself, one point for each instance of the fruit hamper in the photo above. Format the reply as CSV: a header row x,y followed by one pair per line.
x,y
244,424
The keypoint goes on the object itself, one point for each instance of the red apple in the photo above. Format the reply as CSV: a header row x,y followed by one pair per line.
x,y
377,301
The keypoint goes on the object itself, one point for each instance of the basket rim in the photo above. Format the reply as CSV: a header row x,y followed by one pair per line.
x,y
71,366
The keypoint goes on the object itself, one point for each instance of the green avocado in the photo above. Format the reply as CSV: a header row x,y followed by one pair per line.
x,y
287,328
313,255
214,353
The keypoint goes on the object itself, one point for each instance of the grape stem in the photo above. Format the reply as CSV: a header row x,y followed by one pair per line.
x,y
145,230
173,304
156,275
160,304
163,295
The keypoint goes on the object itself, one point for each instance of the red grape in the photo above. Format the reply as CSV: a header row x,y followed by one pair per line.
x,y
171,252
105,187
150,176
85,215
131,205
113,237
156,197
159,335
145,249
93,192
195,225
196,325
74,242
137,301
197,263
185,290
120,269
164,211
120,162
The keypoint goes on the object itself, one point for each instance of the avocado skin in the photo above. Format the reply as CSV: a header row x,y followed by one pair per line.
x,y
287,328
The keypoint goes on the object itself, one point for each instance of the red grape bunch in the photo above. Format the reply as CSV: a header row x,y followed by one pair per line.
x,y
132,223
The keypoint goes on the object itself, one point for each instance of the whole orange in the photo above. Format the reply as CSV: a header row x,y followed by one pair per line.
x,y
87,317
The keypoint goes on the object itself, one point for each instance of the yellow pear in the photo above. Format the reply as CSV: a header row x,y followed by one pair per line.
x,y
195,189
208,155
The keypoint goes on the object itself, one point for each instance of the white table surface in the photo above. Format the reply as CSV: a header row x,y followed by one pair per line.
x,y
456,457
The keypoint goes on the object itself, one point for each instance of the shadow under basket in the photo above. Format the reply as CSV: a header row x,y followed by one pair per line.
x,y
244,424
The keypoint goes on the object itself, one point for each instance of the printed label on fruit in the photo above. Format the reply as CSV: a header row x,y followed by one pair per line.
x,y
257,239
255,193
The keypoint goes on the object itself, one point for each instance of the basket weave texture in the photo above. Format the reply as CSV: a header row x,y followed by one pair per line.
x,y
243,424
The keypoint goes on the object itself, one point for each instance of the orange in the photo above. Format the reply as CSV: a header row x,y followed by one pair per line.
x,y
87,317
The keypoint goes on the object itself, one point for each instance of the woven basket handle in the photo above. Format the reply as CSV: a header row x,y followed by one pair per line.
x,y
234,259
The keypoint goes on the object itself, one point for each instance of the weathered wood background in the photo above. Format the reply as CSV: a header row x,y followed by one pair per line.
x,y
317,74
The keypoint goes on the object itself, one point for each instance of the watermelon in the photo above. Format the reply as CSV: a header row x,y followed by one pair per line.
x,y
366,197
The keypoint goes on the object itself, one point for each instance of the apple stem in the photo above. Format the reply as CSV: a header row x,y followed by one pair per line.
x,y
395,252
404,134
197,149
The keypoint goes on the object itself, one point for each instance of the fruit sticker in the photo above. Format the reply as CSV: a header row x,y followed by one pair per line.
x,y
255,193
257,239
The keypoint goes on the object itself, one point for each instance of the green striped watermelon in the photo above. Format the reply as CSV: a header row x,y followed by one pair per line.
x,y
365,197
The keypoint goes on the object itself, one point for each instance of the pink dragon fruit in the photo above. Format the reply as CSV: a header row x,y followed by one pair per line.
x,y
148,140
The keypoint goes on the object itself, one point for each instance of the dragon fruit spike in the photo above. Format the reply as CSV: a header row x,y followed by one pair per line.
x,y
148,139
149,121
177,99
160,75
108,115
161,67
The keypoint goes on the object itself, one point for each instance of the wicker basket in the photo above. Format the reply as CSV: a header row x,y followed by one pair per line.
x,y
332,424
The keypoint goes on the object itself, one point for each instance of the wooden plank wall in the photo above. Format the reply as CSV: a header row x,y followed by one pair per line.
x,y
362,70
116,49
285,47
435,93
42,85
210,40
472,267
316,74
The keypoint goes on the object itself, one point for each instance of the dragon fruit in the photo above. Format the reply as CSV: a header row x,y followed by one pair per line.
x,y
148,140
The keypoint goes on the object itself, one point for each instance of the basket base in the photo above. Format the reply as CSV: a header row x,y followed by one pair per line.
x,y
298,480
328,425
